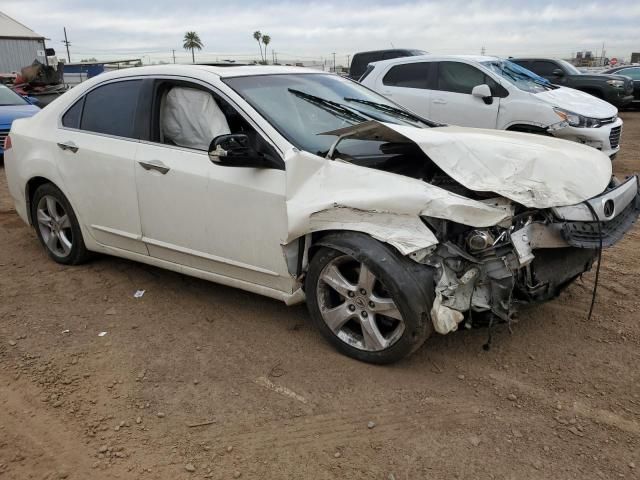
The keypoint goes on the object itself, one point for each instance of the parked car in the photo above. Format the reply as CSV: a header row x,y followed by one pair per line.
x,y
489,92
298,184
615,89
12,106
633,72
361,60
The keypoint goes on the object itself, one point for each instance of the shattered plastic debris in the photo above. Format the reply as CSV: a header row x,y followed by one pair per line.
x,y
138,294
102,334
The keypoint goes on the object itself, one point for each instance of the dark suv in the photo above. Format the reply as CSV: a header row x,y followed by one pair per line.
x,y
615,89
362,59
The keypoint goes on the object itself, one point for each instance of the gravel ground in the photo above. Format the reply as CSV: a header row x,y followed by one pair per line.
x,y
196,380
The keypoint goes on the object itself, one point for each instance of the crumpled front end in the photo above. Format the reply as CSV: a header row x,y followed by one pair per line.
x,y
496,269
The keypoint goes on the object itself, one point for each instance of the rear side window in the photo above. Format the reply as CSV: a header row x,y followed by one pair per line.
x,y
71,119
460,78
543,68
111,109
409,75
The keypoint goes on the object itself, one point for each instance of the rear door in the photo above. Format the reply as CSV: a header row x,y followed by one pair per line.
x,y
452,102
408,84
97,142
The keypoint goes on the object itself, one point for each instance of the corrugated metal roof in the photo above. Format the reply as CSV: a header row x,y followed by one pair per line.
x,y
10,28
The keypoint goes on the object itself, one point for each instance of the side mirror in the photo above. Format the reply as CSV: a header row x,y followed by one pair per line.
x,y
484,92
235,150
558,72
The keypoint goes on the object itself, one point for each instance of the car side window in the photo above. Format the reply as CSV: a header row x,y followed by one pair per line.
x,y
544,68
459,77
408,75
634,73
111,109
71,118
190,116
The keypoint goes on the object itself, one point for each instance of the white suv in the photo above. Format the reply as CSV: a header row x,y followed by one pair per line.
x,y
489,92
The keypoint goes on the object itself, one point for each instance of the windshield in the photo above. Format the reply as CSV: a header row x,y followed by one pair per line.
x,y
304,106
9,97
519,76
570,68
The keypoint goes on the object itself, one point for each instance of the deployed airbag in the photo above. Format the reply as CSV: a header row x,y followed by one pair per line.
x,y
191,118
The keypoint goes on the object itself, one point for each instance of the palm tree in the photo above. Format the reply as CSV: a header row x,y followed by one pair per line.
x,y
257,35
266,39
192,42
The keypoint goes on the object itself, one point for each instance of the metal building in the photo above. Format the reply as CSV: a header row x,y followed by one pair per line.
x,y
19,45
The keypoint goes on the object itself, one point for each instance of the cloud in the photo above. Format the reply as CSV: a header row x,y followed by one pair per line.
x,y
311,30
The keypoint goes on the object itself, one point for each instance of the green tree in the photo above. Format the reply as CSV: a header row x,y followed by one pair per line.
x,y
192,42
257,35
266,39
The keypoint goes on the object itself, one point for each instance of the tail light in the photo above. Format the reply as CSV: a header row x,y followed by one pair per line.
x,y
7,142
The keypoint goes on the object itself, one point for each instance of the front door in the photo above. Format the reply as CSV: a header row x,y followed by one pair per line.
x,y
452,102
225,220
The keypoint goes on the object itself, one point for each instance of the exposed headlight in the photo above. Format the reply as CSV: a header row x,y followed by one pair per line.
x,y
576,120
616,83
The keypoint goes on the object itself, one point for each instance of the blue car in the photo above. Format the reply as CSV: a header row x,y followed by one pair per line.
x,y
12,106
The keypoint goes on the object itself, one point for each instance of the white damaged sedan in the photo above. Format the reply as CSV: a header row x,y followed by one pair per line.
x,y
300,185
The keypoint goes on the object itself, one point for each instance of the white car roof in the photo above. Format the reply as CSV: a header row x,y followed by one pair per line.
x,y
435,57
223,72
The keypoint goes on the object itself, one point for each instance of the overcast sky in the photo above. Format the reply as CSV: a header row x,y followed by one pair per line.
x,y
312,30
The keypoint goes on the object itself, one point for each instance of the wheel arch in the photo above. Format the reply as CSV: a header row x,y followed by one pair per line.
x,y
30,188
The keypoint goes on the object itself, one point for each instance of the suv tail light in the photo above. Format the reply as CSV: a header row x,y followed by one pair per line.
x,y
7,143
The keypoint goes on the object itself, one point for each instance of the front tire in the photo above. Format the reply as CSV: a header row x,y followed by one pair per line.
x,y
57,226
368,301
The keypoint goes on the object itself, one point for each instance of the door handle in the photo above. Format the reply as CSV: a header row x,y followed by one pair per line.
x,y
155,165
439,101
72,147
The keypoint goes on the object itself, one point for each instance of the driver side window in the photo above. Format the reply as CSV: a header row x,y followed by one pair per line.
x,y
190,116
460,77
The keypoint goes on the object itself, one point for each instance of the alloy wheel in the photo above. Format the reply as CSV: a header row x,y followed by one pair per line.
x,y
356,306
54,226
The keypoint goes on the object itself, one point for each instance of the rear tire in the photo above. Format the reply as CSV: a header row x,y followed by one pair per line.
x,y
368,301
57,226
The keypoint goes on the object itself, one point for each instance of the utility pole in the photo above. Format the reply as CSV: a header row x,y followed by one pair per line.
x,y
348,61
334,62
174,55
482,51
66,43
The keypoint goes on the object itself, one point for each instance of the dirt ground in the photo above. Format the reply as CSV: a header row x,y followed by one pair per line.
x,y
558,397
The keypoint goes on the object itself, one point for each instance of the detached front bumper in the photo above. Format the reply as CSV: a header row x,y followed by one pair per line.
x,y
605,138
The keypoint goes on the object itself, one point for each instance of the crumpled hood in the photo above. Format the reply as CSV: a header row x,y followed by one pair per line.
x,y
578,102
533,170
